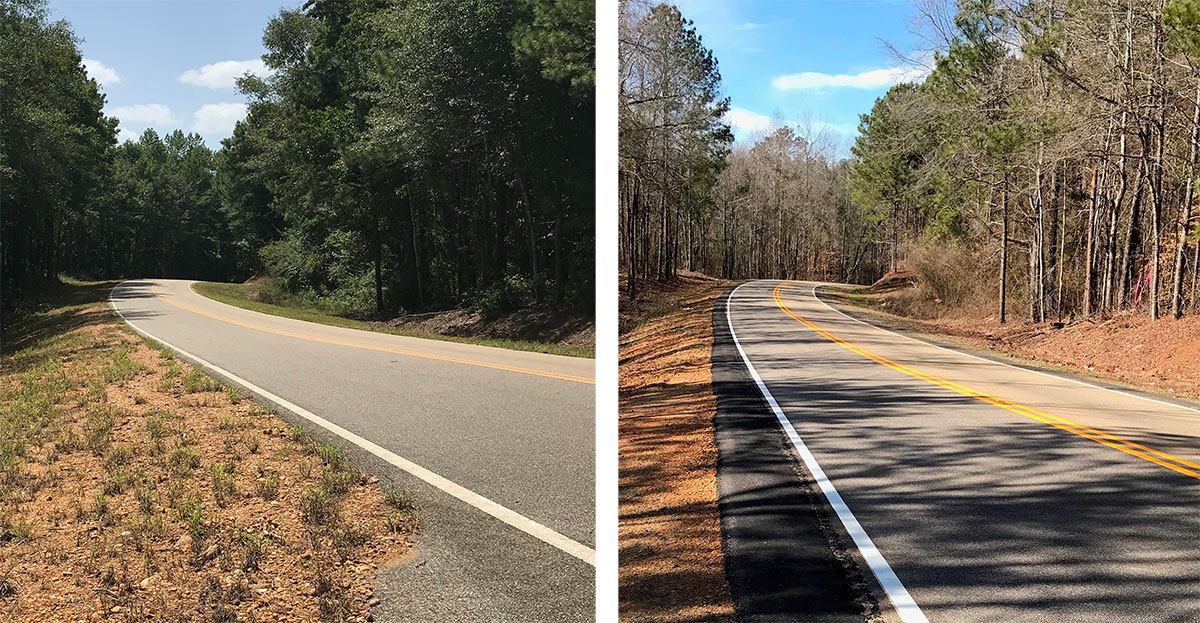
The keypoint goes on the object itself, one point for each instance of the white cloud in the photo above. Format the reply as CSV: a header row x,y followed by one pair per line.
x,y
874,79
127,135
149,114
746,120
747,26
223,75
218,118
103,74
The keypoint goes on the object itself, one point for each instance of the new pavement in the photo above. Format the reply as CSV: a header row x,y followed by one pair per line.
x,y
502,443
992,492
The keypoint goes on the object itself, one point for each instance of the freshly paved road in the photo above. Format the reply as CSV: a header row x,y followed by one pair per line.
x,y
984,509
514,427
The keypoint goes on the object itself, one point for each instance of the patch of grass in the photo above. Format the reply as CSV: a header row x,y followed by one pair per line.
x,y
121,367
183,460
192,510
339,481
197,381
235,294
117,482
400,499
145,498
254,550
267,485
100,510
97,431
14,531
236,395
118,456
332,456
299,435
319,506
224,484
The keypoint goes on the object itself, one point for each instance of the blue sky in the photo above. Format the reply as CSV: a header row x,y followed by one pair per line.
x,y
820,61
170,64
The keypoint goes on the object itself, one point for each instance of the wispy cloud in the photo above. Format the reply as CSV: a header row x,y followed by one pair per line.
x,y
218,118
103,74
223,75
873,79
149,114
126,135
747,26
747,121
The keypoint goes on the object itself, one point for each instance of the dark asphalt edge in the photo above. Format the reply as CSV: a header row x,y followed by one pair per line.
x,y
787,558
940,341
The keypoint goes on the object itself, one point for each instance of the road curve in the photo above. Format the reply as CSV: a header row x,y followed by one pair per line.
x,y
497,445
992,492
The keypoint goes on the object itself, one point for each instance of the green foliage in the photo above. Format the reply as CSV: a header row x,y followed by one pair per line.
x,y
504,296
1181,19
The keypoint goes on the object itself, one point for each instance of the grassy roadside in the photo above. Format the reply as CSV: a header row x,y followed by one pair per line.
x,y
134,487
236,294
672,566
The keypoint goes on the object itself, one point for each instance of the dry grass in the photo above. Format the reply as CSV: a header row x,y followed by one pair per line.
x,y
134,487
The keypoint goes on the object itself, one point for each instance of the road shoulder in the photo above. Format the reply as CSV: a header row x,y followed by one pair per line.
x,y
786,556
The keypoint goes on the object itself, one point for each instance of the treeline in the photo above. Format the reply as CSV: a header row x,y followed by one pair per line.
x,y
399,156
1062,135
1046,165
689,199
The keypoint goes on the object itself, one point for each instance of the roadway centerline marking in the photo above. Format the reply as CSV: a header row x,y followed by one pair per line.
x,y
524,524
906,607
1170,461
482,364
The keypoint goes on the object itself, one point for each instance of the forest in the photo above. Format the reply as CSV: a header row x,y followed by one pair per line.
x,y
371,175
1046,164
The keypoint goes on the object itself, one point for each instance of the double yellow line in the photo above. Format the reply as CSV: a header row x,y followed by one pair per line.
x,y
1159,457
469,362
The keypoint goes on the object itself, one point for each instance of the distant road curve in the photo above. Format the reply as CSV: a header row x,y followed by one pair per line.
x,y
975,489
498,444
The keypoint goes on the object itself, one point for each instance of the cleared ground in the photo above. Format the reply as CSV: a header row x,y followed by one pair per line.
x,y
671,564
135,487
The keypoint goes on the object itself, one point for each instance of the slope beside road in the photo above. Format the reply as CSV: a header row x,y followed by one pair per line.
x,y
497,445
977,490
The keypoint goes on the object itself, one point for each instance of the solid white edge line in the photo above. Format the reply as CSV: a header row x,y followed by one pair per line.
x,y
508,516
897,594
999,363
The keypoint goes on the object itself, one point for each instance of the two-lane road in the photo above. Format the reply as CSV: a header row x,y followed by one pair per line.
x,y
497,444
992,492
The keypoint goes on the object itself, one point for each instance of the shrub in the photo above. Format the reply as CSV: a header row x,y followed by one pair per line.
x,y
506,295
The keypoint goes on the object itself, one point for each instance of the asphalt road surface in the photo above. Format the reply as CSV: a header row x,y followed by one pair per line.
x,y
991,492
497,445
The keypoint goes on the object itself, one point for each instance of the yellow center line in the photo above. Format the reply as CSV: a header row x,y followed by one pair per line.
x,y
1164,459
469,362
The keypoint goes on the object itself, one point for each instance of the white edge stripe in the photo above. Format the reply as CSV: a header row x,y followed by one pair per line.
x,y
999,363
508,516
905,606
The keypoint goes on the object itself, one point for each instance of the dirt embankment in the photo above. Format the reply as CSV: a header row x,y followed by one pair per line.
x,y
671,562
546,325
1162,355
134,487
